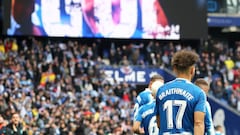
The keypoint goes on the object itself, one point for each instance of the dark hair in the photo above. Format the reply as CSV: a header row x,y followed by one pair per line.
x,y
156,77
15,113
201,81
183,60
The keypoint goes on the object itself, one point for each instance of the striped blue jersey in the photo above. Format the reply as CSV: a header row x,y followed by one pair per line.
x,y
143,97
209,127
147,117
176,102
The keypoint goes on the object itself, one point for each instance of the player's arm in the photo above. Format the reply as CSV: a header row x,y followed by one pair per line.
x,y
158,121
135,110
199,115
157,112
137,121
136,128
199,123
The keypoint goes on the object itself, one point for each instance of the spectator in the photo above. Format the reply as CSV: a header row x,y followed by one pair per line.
x,y
219,130
49,79
3,129
16,127
218,88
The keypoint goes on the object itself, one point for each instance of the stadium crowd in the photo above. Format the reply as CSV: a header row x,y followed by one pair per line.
x,y
60,88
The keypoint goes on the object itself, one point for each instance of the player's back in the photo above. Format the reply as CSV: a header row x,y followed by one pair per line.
x,y
147,116
143,97
176,103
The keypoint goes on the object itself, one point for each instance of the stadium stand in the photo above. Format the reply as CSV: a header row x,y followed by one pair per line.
x,y
59,88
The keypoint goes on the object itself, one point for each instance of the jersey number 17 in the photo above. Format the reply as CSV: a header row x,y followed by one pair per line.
x,y
168,106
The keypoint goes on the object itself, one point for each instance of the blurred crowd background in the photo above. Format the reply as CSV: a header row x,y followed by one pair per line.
x,y
59,87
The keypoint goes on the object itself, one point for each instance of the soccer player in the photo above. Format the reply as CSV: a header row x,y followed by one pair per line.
x,y
146,118
209,127
144,111
180,104
145,96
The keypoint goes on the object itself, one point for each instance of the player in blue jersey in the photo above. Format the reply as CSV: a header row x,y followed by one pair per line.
x,y
146,96
144,111
180,104
209,127
146,118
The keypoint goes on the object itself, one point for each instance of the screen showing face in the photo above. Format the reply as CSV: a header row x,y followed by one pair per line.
x,y
141,19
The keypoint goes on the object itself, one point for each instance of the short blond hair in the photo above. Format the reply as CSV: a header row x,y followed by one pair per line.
x,y
201,81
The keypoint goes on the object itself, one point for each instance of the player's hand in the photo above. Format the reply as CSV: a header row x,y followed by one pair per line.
x,y
141,130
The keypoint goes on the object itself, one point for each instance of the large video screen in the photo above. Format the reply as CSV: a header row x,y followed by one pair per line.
x,y
141,19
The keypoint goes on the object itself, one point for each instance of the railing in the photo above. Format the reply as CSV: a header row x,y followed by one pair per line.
x,y
225,116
